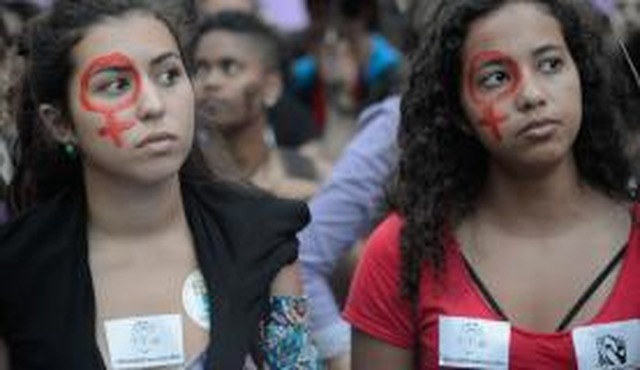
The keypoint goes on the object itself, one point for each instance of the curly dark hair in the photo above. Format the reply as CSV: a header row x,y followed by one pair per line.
x,y
442,169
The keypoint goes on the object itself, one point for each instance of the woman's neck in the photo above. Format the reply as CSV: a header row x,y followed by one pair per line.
x,y
120,210
546,200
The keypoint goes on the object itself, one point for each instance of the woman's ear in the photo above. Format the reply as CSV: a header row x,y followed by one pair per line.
x,y
272,89
60,128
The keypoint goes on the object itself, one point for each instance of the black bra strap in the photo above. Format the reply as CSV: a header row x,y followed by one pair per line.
x,y
592,289
485,292
597,282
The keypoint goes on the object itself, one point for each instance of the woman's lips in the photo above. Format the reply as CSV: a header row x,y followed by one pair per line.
x,y
538,129
156,139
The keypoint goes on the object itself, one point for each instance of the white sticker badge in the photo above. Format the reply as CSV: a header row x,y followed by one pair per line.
x,y
145,341
196,300
613,346
471,343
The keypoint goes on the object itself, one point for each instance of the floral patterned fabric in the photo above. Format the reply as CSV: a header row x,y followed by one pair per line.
x,y
286,342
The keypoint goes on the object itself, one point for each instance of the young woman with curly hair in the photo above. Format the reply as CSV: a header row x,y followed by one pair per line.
x,y
514,241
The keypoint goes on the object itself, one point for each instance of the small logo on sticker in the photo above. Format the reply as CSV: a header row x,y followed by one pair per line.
x,y
145,336
472,339
612,350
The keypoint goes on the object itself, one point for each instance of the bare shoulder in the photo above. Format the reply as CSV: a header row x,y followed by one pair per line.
x,y
616,212
611,218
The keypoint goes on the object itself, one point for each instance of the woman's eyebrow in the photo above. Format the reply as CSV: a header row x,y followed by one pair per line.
x,y
545,49
163,57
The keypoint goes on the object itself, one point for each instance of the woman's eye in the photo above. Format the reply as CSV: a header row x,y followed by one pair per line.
x,y
550,65
170,77
114,87
493,80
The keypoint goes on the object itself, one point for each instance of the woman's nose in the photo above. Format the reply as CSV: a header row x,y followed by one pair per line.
x,y
151,105
531,93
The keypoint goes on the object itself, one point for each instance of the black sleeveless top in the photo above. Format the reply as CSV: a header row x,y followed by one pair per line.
x,y
47,307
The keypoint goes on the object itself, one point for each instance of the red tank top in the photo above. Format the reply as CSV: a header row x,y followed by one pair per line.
x,y
456,326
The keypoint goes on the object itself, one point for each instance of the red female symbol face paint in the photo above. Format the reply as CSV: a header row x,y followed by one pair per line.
x,y
110,106
491,118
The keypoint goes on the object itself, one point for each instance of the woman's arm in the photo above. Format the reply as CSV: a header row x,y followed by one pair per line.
x,y
286,341
287,282
370,353
344,211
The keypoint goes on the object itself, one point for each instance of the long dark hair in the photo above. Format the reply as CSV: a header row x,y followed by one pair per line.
x,y
442,169
43,169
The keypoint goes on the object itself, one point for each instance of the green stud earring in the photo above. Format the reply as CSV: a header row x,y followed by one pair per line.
x,y
70,151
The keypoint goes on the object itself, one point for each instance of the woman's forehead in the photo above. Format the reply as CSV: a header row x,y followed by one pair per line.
x,y
139,35
518,26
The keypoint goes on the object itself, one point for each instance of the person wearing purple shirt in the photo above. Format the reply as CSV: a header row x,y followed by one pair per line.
x,y
344,210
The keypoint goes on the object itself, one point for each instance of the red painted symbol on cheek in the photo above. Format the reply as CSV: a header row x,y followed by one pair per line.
x,y
491,118
113,126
